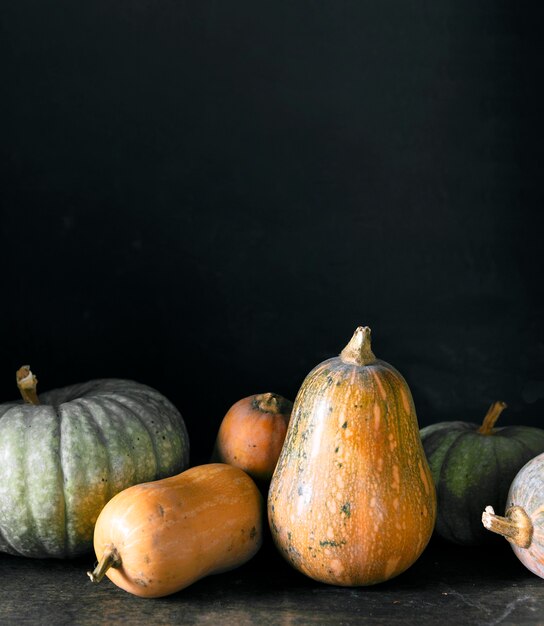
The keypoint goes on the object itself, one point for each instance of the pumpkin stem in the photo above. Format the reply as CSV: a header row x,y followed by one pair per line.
x,y
26,381
110,558
491,418
272,403
358,350
516,526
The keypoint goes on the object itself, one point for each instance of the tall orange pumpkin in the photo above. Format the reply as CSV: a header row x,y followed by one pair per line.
x,y
352,501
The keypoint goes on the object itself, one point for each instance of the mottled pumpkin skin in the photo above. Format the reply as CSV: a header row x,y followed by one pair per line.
x,y
63,459
527,492
471,471
352,500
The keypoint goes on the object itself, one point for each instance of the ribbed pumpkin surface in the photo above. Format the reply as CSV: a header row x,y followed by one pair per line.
x,y
527,492
472,470
62,460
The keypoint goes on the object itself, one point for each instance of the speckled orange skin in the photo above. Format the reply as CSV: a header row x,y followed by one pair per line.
x,y
352,501
251,438
172,532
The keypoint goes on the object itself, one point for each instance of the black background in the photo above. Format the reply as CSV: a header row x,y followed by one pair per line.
x,y
210,196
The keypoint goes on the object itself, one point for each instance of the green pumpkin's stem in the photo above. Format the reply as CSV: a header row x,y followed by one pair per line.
x,y
272,403
516,526
110,558
358,350
491,418
27,382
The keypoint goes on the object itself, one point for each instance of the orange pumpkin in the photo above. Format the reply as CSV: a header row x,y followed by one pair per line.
x,y
352,501
252,433
157,538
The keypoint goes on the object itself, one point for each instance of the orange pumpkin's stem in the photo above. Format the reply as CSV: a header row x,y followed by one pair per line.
x,y
110,558
491,418
272,403
516,526
27,382
358,350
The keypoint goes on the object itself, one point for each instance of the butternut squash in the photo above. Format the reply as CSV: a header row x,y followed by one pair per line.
x,y
157,538
352,500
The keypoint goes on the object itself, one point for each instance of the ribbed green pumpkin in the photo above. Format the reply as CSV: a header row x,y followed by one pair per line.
x,y
472,467
63,459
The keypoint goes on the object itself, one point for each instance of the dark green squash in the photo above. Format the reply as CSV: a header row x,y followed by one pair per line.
x,y
473,467
65,456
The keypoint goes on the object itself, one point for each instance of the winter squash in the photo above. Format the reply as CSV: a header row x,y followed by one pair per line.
x,y
252,433
352,500
523,524
472,467
157,538
66,454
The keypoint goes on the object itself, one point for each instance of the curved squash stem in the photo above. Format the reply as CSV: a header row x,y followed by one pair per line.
x,y
358,351
272,403
516,526
110,558
27,382
491,418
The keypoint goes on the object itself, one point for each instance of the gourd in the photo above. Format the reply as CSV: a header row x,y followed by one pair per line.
x,y
523,524
252,433
157,538
472,467
66,454
352,500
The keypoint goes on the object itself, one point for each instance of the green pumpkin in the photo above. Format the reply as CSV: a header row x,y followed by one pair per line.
x,y
473,467
61,460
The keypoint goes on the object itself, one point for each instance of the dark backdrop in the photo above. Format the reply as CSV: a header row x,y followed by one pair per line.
x,y
209,196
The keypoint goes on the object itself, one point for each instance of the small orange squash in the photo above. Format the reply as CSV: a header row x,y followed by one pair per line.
x,y
352,501
252,433
157,538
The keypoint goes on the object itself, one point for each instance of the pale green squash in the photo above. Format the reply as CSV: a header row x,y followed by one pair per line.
x,y
61,460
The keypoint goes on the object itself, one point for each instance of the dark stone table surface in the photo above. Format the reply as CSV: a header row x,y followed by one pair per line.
x,y
447,585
